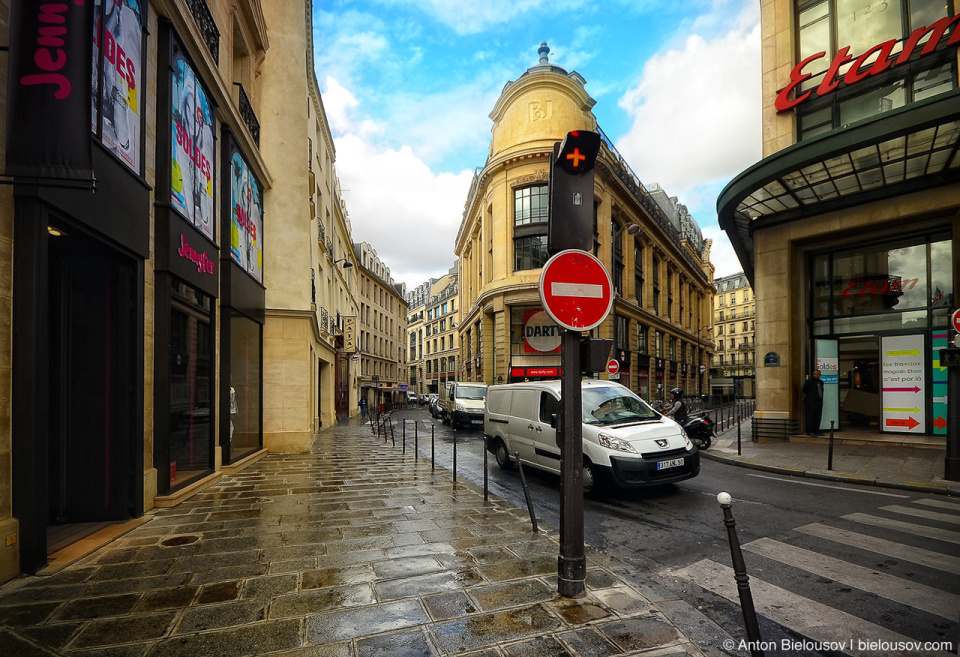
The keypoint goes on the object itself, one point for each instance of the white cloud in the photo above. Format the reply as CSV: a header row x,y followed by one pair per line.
x,y
696,110
722,255
408,213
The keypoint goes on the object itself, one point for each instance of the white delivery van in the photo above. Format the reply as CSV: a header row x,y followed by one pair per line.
x,y
625,441
461,404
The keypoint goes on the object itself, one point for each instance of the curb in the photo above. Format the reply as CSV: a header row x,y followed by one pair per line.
x,y
946,488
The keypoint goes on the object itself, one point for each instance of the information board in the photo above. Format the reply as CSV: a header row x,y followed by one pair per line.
x,y
903,406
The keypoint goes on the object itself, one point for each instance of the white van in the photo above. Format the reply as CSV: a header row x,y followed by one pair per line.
x,y
625,441
461,404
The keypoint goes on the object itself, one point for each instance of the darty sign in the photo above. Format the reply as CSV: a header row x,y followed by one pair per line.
x,y
860,69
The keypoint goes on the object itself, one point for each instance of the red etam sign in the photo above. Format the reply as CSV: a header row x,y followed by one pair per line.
x,y
857,72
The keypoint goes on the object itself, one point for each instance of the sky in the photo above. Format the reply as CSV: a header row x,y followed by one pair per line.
x,y
408,86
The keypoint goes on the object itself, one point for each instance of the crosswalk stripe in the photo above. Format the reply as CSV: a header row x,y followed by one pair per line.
x,y
812,619
918,596
940,504
928,558
907,527
923,513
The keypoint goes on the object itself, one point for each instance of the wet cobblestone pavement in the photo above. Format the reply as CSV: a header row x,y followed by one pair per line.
x,y
354,550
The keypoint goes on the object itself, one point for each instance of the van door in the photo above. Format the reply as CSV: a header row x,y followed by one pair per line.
x,y
546,448
523,423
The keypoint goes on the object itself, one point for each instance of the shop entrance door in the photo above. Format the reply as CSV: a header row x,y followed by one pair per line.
x,y
860,383
93,358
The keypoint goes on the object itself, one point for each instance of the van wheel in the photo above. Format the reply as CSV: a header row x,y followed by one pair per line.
x,y
503,457
590,483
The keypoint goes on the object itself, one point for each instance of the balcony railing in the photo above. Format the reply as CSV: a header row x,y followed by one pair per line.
x,y
248,115
208,27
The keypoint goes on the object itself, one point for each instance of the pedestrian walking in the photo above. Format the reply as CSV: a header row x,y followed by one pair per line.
x,y
363,408
812,401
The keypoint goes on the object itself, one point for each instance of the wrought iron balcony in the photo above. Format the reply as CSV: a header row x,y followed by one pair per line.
x,y
248,115
208,27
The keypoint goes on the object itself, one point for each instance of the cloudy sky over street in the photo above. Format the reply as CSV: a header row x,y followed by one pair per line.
x,y
408,86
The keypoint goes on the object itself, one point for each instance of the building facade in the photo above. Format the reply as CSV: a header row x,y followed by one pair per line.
x,y
311,379
381,331
734,320
849,228
658,261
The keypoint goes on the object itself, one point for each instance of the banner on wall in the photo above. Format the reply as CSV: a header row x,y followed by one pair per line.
x,y
48,91
246,218
828,362
941,340
903,405
350,333
117,54
191,180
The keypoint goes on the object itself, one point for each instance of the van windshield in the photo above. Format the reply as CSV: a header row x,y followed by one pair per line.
x,y
471,392
613,405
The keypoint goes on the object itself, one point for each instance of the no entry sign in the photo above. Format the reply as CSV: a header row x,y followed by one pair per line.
x,y
613,366
575,290
955,320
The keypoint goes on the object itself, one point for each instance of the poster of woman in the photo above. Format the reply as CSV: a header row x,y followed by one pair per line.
x,y
192,176
246,225
117,51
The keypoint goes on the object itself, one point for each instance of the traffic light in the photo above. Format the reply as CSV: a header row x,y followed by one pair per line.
x,y
571,192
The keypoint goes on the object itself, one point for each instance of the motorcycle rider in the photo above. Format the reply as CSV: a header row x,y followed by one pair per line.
x,y
677,409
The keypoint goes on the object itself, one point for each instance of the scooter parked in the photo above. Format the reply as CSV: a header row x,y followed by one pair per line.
x,y
700,429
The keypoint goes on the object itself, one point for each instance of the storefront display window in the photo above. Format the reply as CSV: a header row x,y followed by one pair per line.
x,y
245,358
191,376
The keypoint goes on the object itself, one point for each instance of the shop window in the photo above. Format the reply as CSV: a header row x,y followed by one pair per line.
x,y
245,390
530,252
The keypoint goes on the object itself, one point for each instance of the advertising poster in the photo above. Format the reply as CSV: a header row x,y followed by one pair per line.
x,y
903,406
191,180
540,333
118,52
246,218
828,362
939,415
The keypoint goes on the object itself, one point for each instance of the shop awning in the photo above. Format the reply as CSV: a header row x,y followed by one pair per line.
x,y
903,151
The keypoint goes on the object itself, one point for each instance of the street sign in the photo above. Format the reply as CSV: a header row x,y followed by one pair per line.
x,y
955,320
575,290
613,366
703,368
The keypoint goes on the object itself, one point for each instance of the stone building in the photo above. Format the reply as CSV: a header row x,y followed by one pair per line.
x,y
433,345
658,261
381,330
734,321
849,228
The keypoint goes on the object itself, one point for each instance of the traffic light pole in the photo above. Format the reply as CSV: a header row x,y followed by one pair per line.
x,y
572,562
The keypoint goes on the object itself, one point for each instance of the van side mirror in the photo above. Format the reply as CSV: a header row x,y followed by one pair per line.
x,y
553,420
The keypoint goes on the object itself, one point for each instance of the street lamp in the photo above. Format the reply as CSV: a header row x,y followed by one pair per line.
x,y
346,263
700,361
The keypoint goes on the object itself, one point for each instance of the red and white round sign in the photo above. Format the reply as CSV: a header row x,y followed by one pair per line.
x,y
575,289
613,366
955,320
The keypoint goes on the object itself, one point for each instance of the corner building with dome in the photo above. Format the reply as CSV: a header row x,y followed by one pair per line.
x,y
655,253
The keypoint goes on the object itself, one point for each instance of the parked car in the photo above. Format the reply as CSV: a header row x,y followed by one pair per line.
x,y
461,404
625,441
434,406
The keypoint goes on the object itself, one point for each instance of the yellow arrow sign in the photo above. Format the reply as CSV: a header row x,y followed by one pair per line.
x,y
902,410
905,352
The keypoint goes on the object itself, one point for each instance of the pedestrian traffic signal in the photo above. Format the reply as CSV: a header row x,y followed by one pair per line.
x,y
571,192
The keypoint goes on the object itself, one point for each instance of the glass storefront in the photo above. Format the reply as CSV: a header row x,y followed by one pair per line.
x,y
245,387
878,312
191,377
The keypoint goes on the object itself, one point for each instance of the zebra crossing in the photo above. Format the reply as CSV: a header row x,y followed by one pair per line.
x,y
853,601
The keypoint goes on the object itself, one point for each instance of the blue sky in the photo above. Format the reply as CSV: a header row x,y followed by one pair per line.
x,y
408,85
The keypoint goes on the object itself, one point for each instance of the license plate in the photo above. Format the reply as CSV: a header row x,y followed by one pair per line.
x,y
672,463
476,421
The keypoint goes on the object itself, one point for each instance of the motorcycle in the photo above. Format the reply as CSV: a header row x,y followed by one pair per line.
x,y
700,429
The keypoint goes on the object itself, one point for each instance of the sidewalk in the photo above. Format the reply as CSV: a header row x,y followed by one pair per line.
x,y
354,550
918,469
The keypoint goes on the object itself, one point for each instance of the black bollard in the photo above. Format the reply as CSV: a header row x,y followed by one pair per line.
x,y
433,456
740,574
739,448
830,449
416,442
403,436
454,454
526,492
486,494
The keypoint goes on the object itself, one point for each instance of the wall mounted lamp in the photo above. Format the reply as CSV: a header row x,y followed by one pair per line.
x,y
633,229
346,263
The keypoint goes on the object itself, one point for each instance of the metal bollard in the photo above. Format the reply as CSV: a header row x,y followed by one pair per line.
x,y
740,574
486,494
403,436
433,454
454,454
526,492
830,449
416,442
739,448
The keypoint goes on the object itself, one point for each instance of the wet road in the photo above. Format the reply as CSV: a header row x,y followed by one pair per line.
x,y
803,542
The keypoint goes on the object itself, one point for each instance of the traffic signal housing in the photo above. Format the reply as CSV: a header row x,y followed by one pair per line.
x,y
571,192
